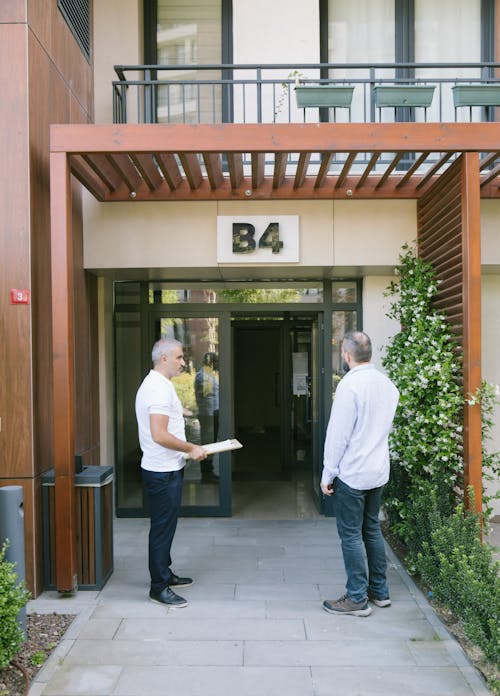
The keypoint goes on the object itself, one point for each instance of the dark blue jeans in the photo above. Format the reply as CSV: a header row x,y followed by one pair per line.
x,y
164,491
359,531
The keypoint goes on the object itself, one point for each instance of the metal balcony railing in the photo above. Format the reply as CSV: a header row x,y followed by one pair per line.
x,y
350,93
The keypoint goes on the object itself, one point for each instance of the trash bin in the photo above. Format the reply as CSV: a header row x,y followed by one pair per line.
x,y
94,525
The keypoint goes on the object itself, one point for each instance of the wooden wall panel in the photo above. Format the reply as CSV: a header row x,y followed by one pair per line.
x,y
45,79
51,31
12,11
15,320
448,220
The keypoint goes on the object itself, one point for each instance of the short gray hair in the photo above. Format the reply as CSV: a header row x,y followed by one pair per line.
x,y
359,345
164,347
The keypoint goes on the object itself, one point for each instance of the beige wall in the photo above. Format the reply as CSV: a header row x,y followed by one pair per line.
x,y
353,234
491,362
490,235
117,41
375,322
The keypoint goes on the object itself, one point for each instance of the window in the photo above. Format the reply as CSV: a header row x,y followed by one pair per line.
x,y
183,33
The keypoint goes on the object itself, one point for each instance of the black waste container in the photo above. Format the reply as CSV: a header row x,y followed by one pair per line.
x,y
94,525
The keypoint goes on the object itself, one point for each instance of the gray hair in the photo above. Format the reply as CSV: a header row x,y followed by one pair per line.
x,y
164,347
359,345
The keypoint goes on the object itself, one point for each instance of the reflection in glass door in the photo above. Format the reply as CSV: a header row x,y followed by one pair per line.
x,y
198,389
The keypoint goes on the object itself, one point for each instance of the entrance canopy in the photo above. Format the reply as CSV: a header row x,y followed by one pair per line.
x,y
272,161
446,166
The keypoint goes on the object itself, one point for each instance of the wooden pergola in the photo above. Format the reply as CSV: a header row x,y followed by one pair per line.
x,y
452,166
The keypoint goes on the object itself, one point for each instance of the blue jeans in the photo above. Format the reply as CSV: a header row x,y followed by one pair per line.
x,y
361,538
164,491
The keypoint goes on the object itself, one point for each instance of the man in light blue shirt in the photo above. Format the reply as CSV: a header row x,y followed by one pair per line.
x,y
355,470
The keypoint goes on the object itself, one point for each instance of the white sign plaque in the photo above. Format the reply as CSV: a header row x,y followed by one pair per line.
x,y
258,239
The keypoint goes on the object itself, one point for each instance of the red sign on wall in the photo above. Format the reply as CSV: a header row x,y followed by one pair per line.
x,y
19,296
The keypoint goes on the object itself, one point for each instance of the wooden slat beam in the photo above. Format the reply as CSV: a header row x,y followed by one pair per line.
x,y
301,171
88,178
104,170
192,169
345,169
491,175
213,165
258,167
63,381
235,164
170,170
389,169
368,169
284,137
326,160
471,226
125,168
280,160
418,162
146,165
434,169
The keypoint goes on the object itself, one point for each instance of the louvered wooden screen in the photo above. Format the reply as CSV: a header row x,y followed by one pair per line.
x,y
448,218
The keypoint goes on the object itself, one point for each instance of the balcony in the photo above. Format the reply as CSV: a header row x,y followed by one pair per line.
x,y
347,93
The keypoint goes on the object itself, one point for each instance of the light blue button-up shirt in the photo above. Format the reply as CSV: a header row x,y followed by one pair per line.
x,y
356,445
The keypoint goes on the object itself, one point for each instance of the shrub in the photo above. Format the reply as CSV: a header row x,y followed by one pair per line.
x,y
443,540
13,597
426,441
463,576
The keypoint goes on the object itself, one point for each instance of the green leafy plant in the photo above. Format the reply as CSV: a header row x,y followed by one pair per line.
x,y
38,658
424,502
463,575
426,441
487,396
13,597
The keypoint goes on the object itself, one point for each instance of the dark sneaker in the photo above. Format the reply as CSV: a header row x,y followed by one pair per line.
x,y
380,601
168,598
176,581
345,605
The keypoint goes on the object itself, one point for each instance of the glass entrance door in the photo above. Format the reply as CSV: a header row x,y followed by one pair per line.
x,y
207,489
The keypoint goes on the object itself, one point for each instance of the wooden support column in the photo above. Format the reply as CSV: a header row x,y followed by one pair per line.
x,y
63,373
471,250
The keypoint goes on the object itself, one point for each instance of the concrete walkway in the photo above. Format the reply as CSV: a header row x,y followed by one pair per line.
x,y
254,625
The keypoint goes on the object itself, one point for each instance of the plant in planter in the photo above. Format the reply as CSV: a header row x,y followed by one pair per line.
x,y
295,75
13,597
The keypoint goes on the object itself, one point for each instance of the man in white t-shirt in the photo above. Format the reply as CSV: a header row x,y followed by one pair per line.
x,y
163,443
355,470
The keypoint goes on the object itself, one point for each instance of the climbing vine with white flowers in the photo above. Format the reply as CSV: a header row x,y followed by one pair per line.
x,y
426,444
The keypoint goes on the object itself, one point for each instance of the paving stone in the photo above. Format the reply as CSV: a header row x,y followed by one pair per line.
x,y
73,680
213,681
381,681
355,653
211,629
156,651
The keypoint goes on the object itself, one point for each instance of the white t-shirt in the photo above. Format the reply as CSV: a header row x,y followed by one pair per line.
x,y
157,395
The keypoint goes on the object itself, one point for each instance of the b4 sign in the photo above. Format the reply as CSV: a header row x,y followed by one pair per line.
x,y
258,239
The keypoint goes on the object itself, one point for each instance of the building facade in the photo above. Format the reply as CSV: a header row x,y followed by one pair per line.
x,y
194,197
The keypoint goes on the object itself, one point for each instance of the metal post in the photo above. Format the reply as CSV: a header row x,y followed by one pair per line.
x,y
12,528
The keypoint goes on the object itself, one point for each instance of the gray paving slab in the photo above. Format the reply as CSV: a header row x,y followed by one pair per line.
x,y
380,681
213,681
155,651
254,625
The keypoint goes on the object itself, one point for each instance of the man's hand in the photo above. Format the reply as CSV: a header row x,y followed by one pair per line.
x,y
197,453
327,489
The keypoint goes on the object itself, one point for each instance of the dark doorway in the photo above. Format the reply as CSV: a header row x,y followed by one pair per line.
x,y
258,400
275,416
